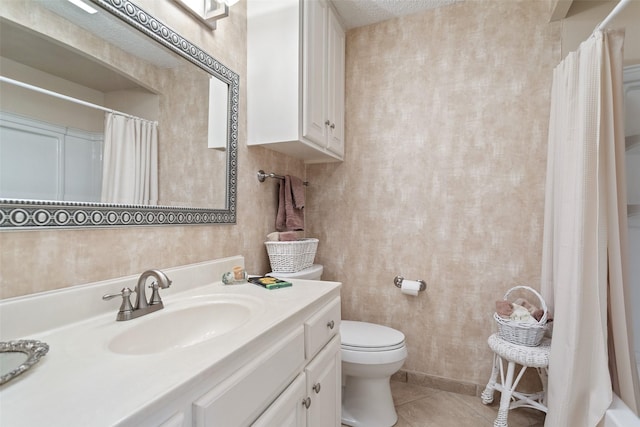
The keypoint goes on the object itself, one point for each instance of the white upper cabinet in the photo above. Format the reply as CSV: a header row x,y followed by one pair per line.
x,y
335,86
295,78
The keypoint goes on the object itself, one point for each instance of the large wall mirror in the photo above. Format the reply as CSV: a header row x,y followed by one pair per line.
x,y
124,60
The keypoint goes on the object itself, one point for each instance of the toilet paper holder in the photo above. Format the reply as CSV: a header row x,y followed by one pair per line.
x,y
398,282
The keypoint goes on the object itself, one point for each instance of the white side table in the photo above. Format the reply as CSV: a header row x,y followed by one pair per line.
x,y
512,354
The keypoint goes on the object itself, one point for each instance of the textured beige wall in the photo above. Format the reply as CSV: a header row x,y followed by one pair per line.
x,y
443,178
32,261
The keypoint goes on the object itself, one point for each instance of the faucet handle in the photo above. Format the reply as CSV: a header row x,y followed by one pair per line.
x,y
125,308
155,295
162,282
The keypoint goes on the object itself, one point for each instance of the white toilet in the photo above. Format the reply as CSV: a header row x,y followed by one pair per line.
x,y
370,355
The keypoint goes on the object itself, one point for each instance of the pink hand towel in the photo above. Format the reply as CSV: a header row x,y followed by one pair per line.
x,y
294,203
297,192
281,219
290,215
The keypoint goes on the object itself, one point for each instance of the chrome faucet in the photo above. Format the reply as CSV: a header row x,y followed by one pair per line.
x,y
142,306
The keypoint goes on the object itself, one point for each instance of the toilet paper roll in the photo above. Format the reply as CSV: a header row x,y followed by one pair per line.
x,y
410,287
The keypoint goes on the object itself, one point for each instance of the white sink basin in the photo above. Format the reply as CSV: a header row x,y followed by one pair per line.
x,y
183,324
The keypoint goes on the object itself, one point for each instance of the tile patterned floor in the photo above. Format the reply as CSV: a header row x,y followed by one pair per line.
x,y
419,406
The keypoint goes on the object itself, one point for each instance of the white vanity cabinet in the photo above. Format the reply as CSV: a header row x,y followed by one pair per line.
x,y
292,380
295,78
313,399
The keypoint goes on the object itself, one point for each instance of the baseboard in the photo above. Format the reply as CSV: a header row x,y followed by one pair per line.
x,y
439,383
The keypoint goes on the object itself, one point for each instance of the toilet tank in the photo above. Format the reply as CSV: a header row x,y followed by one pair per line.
x,y
312,273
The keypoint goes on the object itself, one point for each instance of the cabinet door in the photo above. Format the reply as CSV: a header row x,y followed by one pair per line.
x,y
335,83
324,387
242,397
314,72
288,409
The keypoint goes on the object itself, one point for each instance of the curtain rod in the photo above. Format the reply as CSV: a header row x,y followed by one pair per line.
x,y
621,5
68,98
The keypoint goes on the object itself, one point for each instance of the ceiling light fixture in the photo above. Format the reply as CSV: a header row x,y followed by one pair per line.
x,y
82,5
207,11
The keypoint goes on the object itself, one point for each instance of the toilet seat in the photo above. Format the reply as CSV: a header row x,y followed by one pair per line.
x,y
374,357
369,337
372,349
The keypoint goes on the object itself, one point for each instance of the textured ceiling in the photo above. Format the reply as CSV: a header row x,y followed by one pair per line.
x,y
357,13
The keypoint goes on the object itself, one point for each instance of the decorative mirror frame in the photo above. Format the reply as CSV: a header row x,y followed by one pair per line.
x,y
16,214
34,350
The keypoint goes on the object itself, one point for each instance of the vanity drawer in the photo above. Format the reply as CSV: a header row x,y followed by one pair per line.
x,y
321,327
239,400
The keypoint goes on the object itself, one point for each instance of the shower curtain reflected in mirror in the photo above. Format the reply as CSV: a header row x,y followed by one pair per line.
x,y
584,264
130,163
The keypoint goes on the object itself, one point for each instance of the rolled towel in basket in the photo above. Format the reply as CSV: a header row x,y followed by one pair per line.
x,y
526,304
521,314
504,308
536,312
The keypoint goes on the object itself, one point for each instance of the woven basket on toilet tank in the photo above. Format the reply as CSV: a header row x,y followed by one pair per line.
x,y
293,256
529,334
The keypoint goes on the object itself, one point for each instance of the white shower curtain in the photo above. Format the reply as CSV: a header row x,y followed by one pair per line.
x,y
584,266
130,162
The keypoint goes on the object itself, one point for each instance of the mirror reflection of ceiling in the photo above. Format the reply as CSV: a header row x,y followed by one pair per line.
x,y
29,48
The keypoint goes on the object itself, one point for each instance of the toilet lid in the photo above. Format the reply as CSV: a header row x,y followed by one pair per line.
x,y
365,336
313,273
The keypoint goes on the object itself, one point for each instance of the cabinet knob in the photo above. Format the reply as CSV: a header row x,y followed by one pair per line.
x,y
316,388
328,123
306,402
331,324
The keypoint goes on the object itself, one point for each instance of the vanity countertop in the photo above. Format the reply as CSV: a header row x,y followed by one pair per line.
x,y
81,382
